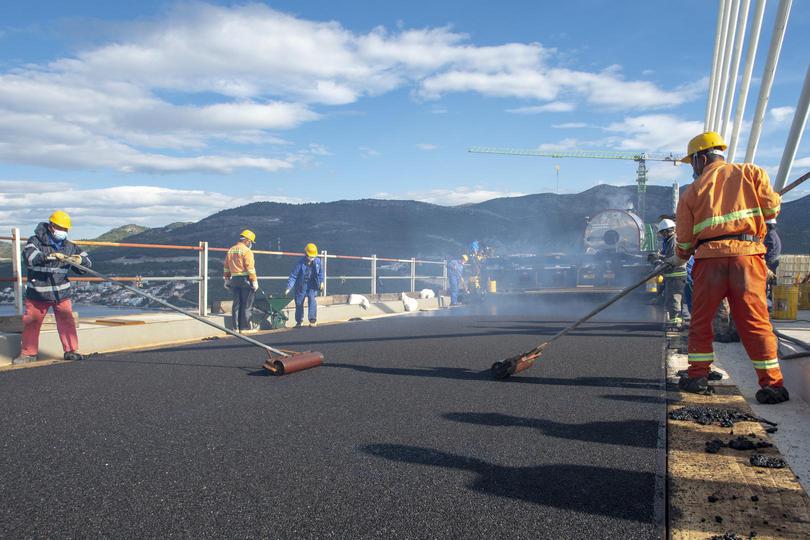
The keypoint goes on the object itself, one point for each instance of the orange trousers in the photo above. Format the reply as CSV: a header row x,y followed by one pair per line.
x,y
741,279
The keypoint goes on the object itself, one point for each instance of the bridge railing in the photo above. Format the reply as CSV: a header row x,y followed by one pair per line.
x,y
203,250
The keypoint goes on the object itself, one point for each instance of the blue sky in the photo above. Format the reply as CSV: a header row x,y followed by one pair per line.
x,y
154,112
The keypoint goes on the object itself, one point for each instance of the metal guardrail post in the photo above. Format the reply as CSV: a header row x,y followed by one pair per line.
x,y
324,254
445,285
413,274
202,297
374,274
16,260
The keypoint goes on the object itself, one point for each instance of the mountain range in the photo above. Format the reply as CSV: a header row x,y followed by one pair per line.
x,y
536,223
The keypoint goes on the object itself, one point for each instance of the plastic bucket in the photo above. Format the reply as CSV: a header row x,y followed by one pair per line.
x,y
785,302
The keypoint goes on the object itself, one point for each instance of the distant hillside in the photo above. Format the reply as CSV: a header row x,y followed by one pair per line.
x,y
119,233
532,223
794,226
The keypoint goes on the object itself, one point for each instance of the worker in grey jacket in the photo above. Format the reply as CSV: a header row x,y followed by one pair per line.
x,y
674,278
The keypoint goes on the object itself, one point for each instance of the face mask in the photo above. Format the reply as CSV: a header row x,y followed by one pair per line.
x,y
59,235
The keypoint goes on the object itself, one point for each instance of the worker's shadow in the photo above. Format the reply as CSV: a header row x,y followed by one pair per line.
x,y
580,488
639,433
465,374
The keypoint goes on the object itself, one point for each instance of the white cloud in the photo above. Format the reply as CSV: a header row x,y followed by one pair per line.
x,y
451,197
554,106
569,125
653,133
237,73
801,162
368,152
559,146
426,146
94,211
782,114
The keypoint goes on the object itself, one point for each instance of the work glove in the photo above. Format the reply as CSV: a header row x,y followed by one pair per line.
x,y
675,261
321,287
227,284
74,259
771,275
254,285
286,292
56,256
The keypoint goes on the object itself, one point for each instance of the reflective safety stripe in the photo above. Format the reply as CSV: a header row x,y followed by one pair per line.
x,y
701,357
771,211
765,364
676,274
55,288
684,245
733,216
49,269
240,274
33,254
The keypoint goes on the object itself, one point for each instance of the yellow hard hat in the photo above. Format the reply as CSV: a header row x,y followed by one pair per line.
x,y
311,250
250,235
60,219
465,258
704,141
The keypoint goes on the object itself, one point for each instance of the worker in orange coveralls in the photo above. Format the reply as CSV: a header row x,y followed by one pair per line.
x,y
721,220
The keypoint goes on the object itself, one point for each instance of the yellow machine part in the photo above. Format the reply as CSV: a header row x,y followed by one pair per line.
x,y
785,302
804,296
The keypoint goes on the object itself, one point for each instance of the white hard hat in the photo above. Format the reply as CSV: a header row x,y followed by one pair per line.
x,y
666,224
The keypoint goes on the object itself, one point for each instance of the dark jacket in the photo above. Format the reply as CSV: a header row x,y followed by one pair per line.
x,y
773,245
48,280
306,276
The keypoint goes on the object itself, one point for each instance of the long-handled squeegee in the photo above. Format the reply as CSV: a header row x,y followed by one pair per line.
x,y
279,362
522,362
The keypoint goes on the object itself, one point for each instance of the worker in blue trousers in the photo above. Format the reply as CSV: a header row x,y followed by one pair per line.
x,y
306,279
455,278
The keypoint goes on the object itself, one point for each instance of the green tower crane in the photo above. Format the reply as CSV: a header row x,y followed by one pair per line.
x,y
640,157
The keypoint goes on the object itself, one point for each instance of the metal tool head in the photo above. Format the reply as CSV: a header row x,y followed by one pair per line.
x,y
284,365
516,364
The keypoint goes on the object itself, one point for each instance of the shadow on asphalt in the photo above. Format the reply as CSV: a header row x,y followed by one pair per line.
x,y
639,433
468,374
580,488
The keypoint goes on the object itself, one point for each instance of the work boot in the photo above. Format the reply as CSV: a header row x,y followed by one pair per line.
x,y
313,324
24,359
695,386
298,325
770,395
73,356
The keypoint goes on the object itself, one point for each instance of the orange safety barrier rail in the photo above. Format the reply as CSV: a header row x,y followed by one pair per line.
x,y
202,278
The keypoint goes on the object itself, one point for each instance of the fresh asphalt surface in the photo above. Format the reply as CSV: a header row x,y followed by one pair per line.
x,y
401,434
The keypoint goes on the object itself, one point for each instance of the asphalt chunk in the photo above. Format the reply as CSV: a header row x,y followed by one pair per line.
x,y
770,462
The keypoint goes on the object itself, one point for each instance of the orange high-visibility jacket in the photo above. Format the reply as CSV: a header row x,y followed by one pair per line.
x,y
239,262
727,199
